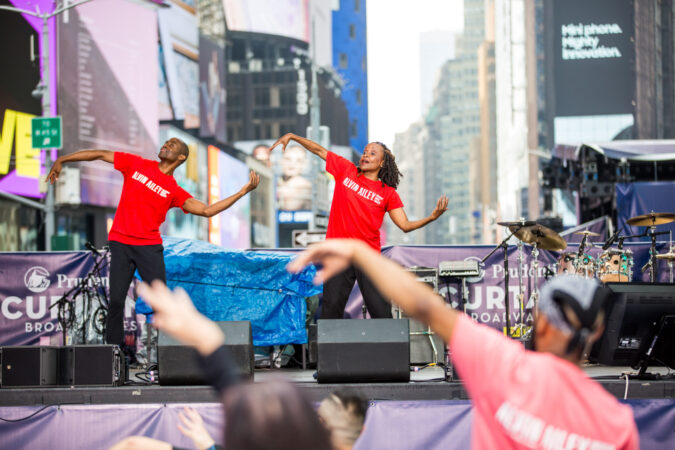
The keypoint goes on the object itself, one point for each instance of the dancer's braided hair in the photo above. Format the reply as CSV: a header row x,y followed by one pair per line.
x,y
389,173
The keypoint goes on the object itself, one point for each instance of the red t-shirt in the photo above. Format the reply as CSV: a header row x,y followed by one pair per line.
x,y
359,204
147,194
525,399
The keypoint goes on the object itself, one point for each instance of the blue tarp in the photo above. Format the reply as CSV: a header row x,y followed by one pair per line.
x,y
243,285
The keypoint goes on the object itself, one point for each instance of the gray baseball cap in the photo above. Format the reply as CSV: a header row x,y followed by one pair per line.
x,y
585,297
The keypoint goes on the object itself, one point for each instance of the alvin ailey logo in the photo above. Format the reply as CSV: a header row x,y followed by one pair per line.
x,y
37,279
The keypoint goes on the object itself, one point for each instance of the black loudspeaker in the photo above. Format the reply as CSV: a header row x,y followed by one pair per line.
x,y
311,338
29,366
373,350
179,363
92,365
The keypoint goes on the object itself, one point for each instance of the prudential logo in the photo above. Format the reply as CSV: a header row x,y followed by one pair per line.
x,y
37,279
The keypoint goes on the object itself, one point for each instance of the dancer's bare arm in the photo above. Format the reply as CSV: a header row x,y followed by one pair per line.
x,y
194,206
399,217
306,143
395,284
83,155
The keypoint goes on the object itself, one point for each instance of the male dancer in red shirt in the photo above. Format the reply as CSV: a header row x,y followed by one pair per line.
x,y
148,192
361,198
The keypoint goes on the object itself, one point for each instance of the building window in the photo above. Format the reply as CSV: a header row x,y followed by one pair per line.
x,y
354,131
352,32
363,63
343,61
358,96
357,5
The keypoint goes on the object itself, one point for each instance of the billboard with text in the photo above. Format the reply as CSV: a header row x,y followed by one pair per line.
x,y
594,60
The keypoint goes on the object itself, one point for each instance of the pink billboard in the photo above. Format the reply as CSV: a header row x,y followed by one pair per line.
x,y
108,88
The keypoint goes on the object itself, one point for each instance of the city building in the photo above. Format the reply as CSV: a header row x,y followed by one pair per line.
x,y
350,59
436,47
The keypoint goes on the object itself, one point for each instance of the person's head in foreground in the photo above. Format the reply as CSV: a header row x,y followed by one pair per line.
x,y
343,415
271,415
570,316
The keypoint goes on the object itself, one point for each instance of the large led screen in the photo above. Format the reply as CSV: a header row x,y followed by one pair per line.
x,y
231,228
108,88
281,17
20,164
594,57
191,176
212,90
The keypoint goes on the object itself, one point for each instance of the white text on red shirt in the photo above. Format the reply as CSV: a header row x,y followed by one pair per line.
x,y
363,192
154,187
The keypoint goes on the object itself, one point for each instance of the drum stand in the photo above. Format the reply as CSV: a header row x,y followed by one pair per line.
x,y
503,245
534,296
651,264
521,289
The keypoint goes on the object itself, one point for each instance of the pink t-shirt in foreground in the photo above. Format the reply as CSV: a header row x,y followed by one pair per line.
x,y
525,399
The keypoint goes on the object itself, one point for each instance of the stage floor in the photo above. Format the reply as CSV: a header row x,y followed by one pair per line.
x,y
424,385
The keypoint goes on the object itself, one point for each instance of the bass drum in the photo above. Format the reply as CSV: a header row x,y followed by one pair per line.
x,y
615,266
570,264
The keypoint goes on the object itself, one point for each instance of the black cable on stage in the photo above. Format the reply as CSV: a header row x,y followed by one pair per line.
x,y
36,412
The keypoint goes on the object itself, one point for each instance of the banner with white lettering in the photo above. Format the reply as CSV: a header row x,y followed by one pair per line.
x,y
31,284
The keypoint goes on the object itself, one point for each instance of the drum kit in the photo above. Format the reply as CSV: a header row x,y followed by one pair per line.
x,y
613,265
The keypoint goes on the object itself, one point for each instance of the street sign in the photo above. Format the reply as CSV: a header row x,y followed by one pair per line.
x,y
46,132
302,238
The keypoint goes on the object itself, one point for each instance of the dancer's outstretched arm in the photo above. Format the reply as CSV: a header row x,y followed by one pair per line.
x,y
83,155
395,284
306,143
194,206
399,217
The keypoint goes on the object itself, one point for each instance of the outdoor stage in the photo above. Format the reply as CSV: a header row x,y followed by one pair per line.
x,y
414,415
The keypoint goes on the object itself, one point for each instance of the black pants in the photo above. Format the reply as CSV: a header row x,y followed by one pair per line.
x,y
336,293
124,260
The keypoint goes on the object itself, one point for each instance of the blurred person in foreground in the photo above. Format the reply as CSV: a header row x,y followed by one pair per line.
x,y
270,415
522,399
343,414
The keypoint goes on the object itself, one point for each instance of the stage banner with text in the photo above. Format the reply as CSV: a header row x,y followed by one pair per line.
x,y
486,292
30,284
33,283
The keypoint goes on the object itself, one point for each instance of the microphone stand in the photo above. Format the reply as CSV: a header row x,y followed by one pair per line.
x,y
503,245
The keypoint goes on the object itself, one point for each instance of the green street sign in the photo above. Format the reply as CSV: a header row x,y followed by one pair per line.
x,y
46,132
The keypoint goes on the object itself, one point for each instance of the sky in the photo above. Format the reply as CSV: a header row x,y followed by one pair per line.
x,y
394,27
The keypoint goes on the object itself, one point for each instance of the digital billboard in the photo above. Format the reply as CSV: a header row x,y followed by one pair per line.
x,y
263,220
594,62
179,65
20,164
288,18
108,88
226,175
212,90
292,169
191,176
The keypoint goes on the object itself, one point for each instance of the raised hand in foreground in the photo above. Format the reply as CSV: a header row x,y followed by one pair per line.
x,y
175,314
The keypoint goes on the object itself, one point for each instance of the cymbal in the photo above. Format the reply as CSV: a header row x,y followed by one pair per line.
x,y
647,220
587,233
667,256
544,237
521,223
